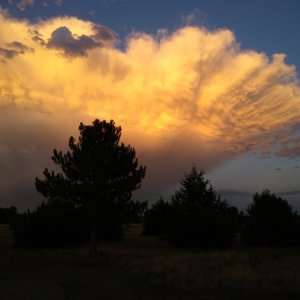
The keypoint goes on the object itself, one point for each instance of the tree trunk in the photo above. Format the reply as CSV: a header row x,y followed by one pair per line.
x,y
93,240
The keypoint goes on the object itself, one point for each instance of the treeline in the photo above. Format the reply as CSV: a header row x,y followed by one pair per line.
x,y
60,224
197,217
7,215
90,200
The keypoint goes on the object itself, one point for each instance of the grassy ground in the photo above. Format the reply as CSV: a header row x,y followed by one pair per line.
x,y
145,268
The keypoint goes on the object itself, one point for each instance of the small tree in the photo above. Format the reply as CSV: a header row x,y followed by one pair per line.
x,y
99,174
198,217
270,221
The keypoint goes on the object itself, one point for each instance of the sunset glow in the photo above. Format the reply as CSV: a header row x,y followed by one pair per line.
x,y
192,90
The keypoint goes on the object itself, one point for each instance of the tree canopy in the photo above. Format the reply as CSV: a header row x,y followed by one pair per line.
x,y
270,221
98,166
99,173
197,216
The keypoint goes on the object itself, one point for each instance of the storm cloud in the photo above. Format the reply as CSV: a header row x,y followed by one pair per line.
x,y
13,49
182,97
8,53
72,46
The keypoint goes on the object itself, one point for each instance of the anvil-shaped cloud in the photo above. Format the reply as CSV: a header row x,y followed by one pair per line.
x,y
190,96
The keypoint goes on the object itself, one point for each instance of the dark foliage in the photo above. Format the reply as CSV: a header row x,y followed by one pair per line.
x,y
98,177
96,170
198,217
59,225
7,215
270,221
48,226
155,218
134,212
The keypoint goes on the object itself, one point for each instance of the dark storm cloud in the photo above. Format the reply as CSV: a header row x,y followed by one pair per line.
x,y
8,53
62,39
104,34
169,95
37,37
19,47
72,46
13,49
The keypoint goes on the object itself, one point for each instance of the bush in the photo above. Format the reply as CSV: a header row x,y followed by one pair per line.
x,y
7,215
155,218
134,212
59,225
204,227
48,226
270,221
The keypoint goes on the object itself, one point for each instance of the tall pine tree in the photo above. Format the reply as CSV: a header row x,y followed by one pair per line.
x,y
197,215
99,174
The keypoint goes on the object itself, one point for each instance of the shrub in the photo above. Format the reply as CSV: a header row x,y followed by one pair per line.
x,y
270,221
59,225
7,215
155,218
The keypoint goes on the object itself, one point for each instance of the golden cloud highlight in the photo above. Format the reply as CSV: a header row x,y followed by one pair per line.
x,y
193,91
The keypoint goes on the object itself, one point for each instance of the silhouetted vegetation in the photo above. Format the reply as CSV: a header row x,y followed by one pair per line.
x,y
49,226
94,189
60,224
134,212
270,221
7,215
195,217
155,218
91,200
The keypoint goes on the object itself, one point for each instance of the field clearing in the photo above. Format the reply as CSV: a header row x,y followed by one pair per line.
x,y
145,268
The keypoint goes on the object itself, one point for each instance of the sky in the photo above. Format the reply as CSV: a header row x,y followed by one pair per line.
x,y
210,83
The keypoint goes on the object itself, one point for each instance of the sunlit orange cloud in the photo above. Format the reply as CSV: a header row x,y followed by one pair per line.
x,y
187,96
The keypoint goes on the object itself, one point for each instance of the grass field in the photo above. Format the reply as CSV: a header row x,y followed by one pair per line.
x,y
145,268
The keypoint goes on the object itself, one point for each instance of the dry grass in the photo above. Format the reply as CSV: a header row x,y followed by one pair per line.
x,y
145,268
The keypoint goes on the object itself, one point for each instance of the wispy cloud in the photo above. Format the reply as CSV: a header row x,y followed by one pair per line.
x,y
23,4
232,192
289,193
196,17
59,2
19,47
